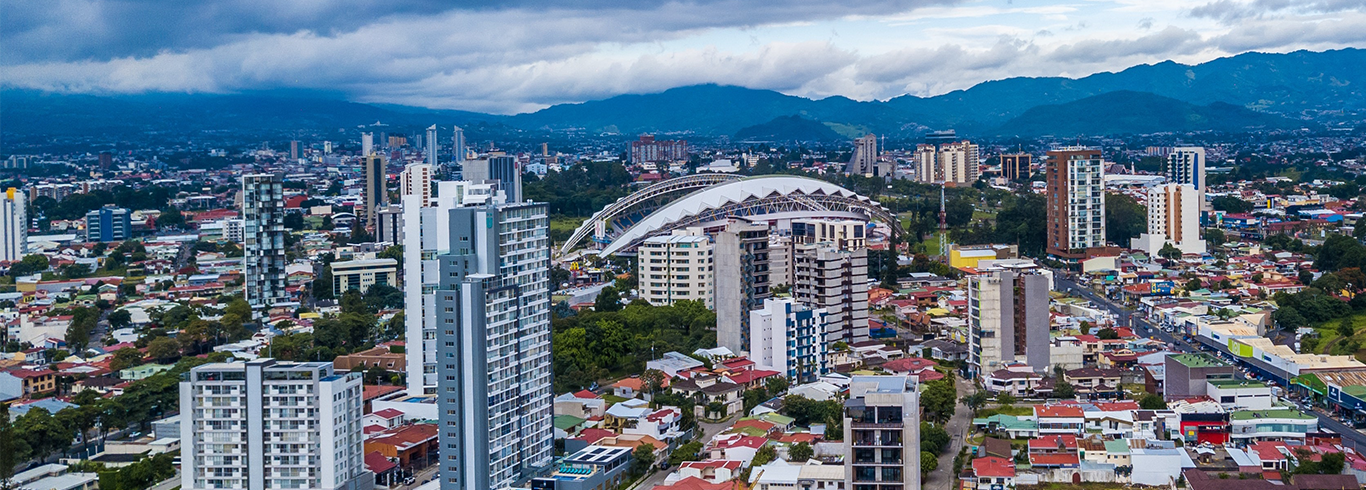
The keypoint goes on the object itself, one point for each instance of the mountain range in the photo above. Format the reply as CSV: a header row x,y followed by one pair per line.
x,y
1239,93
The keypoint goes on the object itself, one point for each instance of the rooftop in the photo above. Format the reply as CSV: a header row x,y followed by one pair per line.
x,y
1274,413
1235,383
1197,360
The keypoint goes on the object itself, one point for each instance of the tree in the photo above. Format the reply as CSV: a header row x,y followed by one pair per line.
x,y
685,452
765,455
939,398
125,358
1169,252
608,300
9,442
753,397
1005,398
170,218
322,286
642,458
1215,237
717,408
294,221
383,297
652,380
933,438
1346,328
975,400
1107,333
1288,318
1125,218
1152,402
1231,205
1064,390
120,318
163,349
928,463
800,452
776,385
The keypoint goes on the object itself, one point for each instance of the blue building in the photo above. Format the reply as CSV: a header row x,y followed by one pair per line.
x,y
108,224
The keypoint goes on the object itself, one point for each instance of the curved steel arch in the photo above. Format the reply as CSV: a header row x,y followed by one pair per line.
x,y
643,202
755,196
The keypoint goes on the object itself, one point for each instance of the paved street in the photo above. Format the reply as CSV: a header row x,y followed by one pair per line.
x,y
168,483
942,477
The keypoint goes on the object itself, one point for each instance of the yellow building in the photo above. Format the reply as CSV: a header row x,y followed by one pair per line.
x,y
971,255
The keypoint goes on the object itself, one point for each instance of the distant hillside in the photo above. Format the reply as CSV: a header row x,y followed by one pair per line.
x,y
1127,112
788,128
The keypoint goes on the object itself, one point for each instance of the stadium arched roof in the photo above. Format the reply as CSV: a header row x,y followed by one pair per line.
x,y
620,215
754,196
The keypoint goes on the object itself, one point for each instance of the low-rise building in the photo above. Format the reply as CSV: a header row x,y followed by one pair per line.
x,y
1235,394
361,274
591,468
1273,424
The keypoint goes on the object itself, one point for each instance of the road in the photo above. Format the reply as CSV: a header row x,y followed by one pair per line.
x,y
709,430
168,483
942,478
1350,437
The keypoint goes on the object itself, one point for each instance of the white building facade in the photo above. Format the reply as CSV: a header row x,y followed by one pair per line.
x,y
1173,217
264,424
789,337
676,267
13,225
263,234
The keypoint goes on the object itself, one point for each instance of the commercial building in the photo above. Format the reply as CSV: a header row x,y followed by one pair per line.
x,y
971,256
108,224
265,424
389,224
827,277
882,433
866,160
493,346
416,180
845,234
263,213
367,144
788,337
591,468
458,145
955,162
1008,320
1075,204
1173,218
646,149
376,192
426,234
1016,166
433,146
676,267
1271,424
13,226
361,274
1188,375
740,275
1236,394
501,169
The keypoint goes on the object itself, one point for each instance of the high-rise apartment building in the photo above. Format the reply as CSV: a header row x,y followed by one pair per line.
x,y
389,224
1008,320
263,214
294,150
741,281
1075,204
416,180
13,226
954,162
846,234
1173,218
675,267
433,146
458,145
646,149
108,224
882,433
1016,166
501,169
866,159
426,235
367,144
493,346
376,192
264,424
836,280
1186,165
789,337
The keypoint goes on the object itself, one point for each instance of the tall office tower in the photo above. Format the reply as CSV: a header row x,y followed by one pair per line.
x,y
264,424
493,307
1008,320
425,236
676,268
1015,166
959,162
503,169
106,160
376,190
263,214
835,279
327,147
1186,165
416,180
844,234
741,282
367,144
865,160
458,146
13,226
927,164
1173,217
1076,204
433,146
789,337
108,224
882,433
294,150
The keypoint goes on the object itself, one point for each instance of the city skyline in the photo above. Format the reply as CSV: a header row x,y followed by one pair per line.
x,y
523,56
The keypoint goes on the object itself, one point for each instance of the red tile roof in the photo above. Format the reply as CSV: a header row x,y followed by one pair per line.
x,y
585,394
389,413
695,483
757,424
407,436
992,466
592,435
1055,459
1055,441
371,392
377,463
751,375
714,463
1057,411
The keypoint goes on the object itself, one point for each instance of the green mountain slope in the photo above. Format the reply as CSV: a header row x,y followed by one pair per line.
x,y
1126,112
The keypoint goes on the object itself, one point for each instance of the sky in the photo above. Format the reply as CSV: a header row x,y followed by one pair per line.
x,y
523,55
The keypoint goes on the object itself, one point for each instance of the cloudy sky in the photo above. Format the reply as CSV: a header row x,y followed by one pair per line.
x,y
522,55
